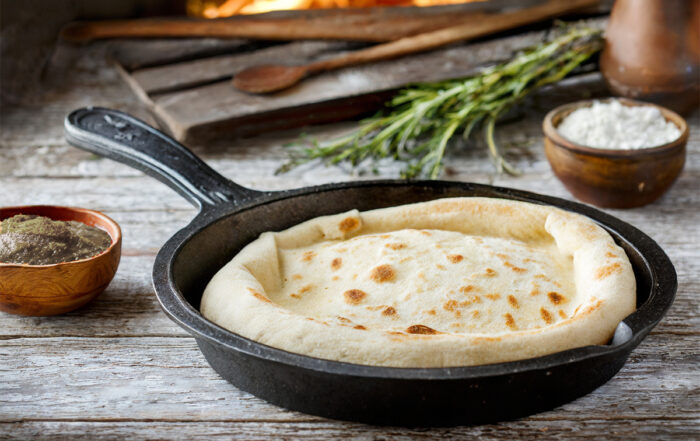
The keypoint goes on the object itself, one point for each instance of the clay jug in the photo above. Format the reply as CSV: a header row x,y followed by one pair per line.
x,y
652,52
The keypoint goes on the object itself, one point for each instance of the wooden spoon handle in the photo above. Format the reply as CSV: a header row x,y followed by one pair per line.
x,y
485,25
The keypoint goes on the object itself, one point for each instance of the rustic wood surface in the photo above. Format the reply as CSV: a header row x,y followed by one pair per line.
x,y
194,99
119,369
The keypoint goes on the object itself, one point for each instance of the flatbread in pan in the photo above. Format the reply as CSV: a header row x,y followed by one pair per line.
x,y
451,282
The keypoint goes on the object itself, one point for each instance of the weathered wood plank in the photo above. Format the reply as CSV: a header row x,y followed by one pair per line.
x,y
128,307
141,53
159,378
594,429
125,193
217,109
189,74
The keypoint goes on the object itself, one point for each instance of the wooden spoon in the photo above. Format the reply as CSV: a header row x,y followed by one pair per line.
x,y
271,78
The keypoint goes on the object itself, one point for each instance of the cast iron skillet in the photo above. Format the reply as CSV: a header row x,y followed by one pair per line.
x,y
231,216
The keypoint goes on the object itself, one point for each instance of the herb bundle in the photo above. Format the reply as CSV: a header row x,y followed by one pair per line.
x,y
419,121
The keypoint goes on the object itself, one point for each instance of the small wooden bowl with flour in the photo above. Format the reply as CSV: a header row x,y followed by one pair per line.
x,y
42,290
615,153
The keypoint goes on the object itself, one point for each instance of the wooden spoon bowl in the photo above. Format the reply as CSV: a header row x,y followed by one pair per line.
x,y
41,290
614,178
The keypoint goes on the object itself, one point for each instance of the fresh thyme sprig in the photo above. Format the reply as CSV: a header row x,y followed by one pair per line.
x,y
420,120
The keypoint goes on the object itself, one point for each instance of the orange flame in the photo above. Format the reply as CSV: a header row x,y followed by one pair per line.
x,y
227,8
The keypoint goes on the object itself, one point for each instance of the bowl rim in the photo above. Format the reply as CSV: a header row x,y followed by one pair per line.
x,y
551,132
103,217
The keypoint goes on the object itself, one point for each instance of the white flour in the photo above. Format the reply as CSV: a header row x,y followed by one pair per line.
x,y
613,125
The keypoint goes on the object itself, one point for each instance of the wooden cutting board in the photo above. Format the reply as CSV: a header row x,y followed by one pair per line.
x,y
186,83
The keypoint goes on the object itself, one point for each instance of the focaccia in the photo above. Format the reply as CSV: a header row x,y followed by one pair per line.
x,y
451,282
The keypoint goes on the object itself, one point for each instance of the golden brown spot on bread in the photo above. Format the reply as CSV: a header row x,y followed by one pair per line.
x,y
546,316
475,313
545,278
517,269
425,233
605,271
479,340
297,276
611,255
593,307
513,301
336,263
493,296
317,321
431,312
307,256
348,224
296,296
259,296
489,272
389,310
343,319
466,289
455,258
306,289
395,246
335,278
535,289
555,297
375,308
341,250
562,314
421,275
360,327
450,305
471,300
510,322
383,273
421,329
440,267
354,296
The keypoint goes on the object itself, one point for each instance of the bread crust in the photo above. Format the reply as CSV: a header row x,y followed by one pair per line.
x,y
451,282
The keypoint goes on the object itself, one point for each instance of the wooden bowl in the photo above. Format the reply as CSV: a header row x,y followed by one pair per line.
x,y
41,290
614,178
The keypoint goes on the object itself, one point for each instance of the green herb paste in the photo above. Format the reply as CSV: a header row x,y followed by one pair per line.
x,y
38,240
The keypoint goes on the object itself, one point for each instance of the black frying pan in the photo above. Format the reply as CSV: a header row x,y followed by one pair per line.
x,y
231,216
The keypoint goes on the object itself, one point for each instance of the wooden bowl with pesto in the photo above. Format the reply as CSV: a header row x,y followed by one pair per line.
x,y
55,259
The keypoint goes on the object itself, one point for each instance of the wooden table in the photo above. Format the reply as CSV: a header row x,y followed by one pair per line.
x,y
120,369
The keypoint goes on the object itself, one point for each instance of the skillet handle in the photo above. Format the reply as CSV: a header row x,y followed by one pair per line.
x,y
123,138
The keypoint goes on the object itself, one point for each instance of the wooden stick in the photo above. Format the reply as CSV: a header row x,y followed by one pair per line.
x,y
369,24
473,29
